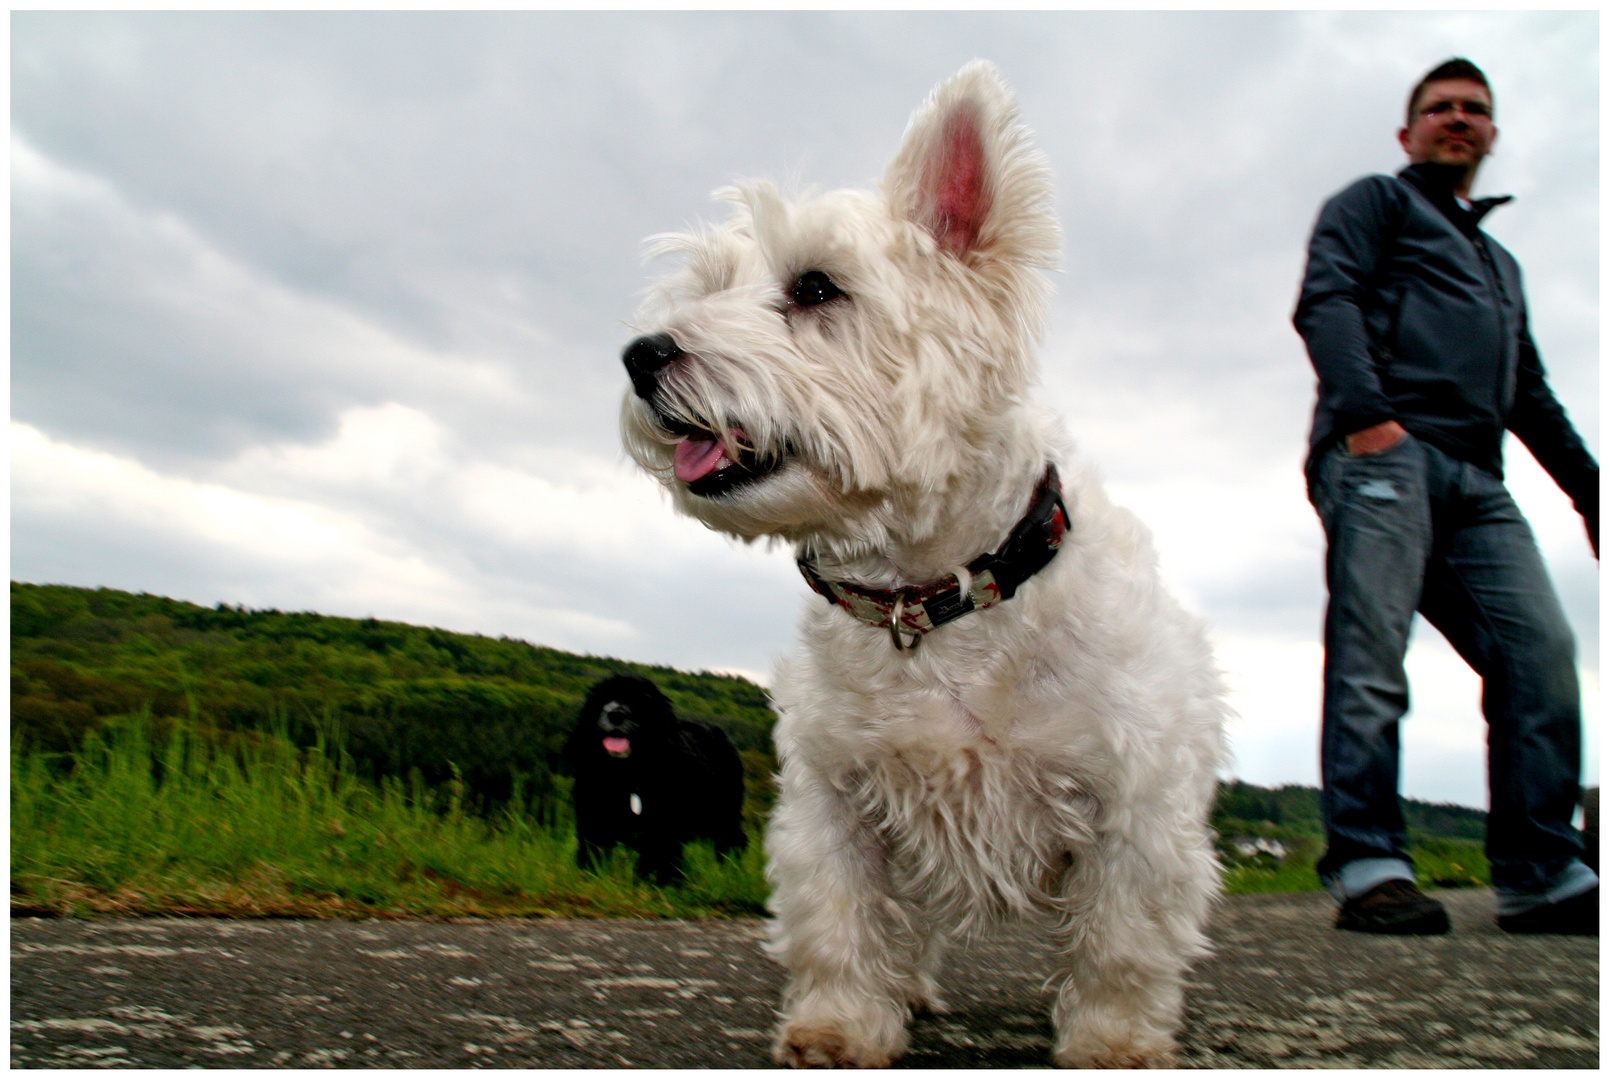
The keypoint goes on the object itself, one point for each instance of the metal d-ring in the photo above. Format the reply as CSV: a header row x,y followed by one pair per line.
x,y
894,627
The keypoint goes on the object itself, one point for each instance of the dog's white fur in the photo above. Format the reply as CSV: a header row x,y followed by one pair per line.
x,y
1053,756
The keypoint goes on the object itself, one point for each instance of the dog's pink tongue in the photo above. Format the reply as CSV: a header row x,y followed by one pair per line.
x,y
617,746
698,457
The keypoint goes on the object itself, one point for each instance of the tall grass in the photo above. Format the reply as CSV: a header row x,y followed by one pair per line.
x,y
145,820
142,821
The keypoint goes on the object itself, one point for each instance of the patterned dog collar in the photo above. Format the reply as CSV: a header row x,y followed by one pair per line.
x,y
985,582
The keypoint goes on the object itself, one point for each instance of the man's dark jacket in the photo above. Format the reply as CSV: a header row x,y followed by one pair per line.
x,y
1412,313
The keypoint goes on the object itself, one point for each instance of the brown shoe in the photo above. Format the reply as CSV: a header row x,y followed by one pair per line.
x,y
1393,907
1577,914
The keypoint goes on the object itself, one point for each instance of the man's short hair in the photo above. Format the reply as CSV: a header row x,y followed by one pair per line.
x,y
1457,68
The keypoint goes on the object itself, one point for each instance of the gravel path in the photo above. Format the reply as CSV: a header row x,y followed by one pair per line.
x,y
1282,991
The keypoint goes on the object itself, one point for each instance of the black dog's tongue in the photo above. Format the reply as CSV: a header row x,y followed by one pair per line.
x,y
616,746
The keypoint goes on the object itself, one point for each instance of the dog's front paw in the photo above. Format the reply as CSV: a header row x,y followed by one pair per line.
x,y
925,1000
1100,1054
817,1045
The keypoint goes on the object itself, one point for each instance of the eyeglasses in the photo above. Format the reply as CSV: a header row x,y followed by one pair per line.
x,y
1472,110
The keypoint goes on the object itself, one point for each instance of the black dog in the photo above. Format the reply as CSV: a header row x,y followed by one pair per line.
x,y
651,781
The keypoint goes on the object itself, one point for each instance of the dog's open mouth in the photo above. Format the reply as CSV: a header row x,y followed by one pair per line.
x,y
615,746
701,460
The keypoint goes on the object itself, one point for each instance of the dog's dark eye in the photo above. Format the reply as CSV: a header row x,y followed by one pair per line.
x,y
815,287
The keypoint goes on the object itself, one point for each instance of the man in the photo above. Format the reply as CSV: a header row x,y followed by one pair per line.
x,y
1416,325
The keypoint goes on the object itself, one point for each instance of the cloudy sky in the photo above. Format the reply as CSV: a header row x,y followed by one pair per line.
x,y
324,311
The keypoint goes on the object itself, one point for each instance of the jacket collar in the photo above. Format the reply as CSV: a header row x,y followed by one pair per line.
x,y
984,582
1436,181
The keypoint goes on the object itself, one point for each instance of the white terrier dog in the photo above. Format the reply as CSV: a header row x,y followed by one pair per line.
x,y
998,711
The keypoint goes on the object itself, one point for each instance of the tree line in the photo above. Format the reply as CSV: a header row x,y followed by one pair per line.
x,y
1292,810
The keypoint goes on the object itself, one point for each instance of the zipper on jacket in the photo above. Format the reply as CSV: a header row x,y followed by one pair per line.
x,y
1505,340
1389,339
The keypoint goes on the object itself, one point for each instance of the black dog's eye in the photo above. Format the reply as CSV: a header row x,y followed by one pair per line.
x,y
815,287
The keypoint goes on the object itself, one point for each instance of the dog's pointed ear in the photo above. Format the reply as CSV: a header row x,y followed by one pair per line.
x,y
968,173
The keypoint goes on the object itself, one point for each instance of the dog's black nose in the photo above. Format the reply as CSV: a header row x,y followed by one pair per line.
x,y
645,357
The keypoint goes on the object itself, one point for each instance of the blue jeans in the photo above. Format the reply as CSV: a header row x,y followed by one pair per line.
x,y
1412,529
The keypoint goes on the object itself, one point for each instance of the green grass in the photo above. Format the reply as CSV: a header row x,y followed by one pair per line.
x,y
1449,864
156,818
1438,864
182,823
1293,875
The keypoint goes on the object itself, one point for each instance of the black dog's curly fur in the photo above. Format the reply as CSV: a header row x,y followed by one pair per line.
x,y
685,776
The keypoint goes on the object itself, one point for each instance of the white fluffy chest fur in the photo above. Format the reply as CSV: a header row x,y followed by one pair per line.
x,y
976,817
975,829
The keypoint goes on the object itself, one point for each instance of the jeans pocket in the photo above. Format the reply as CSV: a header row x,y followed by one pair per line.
x,y
1378,486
